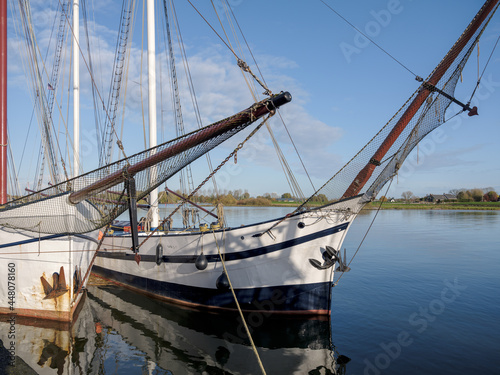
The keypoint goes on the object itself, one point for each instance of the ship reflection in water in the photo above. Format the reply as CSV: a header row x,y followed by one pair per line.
x,y
118,331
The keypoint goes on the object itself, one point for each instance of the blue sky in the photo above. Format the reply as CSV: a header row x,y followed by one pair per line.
x,y
344,90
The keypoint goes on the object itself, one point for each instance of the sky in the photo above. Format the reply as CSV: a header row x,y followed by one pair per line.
x,y
344,88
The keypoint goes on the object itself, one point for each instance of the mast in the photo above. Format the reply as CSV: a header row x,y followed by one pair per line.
x,y
76,88
3,101
152,105
365,174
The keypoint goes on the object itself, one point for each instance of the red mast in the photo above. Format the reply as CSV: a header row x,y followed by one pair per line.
x,y
365,174
3,101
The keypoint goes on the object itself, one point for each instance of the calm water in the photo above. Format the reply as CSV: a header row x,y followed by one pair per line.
x,y
421,298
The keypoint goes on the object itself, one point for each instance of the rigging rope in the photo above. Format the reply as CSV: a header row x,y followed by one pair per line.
x,y
246,43
367,37
254,348
190,84
366,234
185,175
292,181
118,142
45,122
239,147
480,76
228,46
102,235
296,151
97,119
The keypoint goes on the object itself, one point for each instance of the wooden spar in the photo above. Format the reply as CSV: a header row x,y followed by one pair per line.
x,y
192,203
365,174
3,101
248,115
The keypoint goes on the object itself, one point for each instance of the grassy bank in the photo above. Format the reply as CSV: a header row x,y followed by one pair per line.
x,y
415,206
263,202
435,206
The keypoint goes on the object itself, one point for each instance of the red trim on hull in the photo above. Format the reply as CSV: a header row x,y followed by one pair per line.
x,y
48,315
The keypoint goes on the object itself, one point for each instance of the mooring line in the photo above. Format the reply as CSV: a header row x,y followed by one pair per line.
x,y
239,308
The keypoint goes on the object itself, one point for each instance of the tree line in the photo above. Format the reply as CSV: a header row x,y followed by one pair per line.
x,y
462,195
477,195
237,197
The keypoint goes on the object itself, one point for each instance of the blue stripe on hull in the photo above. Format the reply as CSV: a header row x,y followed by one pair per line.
x,y
231,256
298,299
46,238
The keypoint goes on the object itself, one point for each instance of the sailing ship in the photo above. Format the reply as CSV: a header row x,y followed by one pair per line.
x,y
49,238
286,265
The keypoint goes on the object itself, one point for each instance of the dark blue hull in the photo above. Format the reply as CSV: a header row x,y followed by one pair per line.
x,y
290,299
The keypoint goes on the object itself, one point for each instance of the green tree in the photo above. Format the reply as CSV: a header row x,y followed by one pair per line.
x,y
477,195
464,196
286,196
228,200
491,196
320,198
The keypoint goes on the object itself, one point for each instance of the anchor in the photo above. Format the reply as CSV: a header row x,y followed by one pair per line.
x,y
58,287
330,257
342,267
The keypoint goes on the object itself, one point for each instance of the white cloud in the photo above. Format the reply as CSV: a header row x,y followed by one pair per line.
x,y
221,91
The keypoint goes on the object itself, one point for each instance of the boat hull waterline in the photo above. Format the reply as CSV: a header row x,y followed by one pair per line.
x,y
269,272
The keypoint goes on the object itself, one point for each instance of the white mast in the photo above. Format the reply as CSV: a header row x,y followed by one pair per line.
x,y
152,104
76,88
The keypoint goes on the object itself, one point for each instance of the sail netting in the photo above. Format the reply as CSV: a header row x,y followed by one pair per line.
x,y
93,200
379,161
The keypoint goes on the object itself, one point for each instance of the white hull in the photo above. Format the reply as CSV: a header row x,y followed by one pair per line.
x,y
267,272
26,257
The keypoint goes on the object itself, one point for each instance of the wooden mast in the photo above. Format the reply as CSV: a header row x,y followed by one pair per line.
x,y
365,174
3,101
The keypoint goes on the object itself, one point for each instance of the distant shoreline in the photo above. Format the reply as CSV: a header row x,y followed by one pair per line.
x,y
483,206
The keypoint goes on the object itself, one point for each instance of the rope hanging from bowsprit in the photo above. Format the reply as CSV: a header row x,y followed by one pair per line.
x,y
244,66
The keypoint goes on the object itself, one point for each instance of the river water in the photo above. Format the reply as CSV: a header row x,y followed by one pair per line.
x,y
421,298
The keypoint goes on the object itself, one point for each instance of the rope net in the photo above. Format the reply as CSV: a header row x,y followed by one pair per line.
x,y
92,200
379,161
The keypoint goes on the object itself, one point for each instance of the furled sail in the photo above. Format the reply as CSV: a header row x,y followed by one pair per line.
x,y
379,161
92,200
